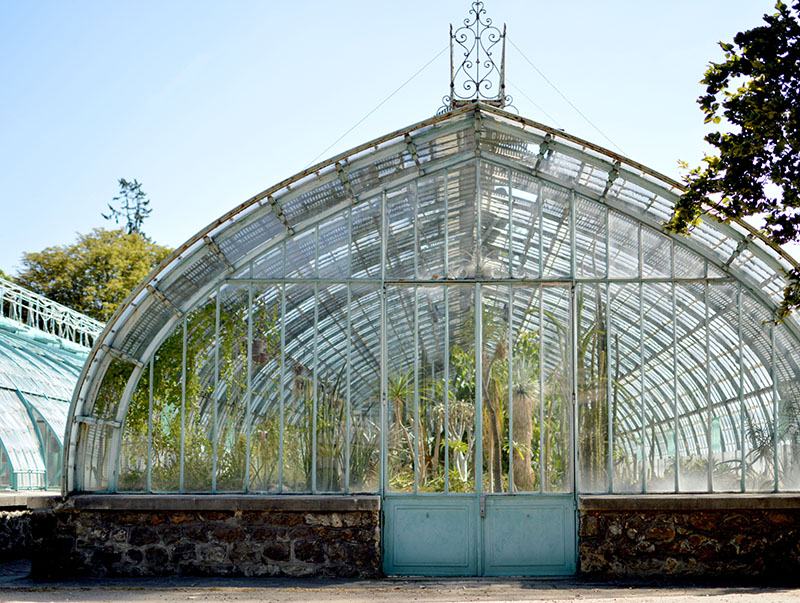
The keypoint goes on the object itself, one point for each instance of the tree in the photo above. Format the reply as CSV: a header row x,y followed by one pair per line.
x,y
133,206
755,169
94,274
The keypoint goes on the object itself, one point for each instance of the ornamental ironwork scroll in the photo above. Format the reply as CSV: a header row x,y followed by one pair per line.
x,y
478,77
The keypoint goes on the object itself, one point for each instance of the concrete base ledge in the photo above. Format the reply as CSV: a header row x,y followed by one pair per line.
x,y
224,502
11,501
688,502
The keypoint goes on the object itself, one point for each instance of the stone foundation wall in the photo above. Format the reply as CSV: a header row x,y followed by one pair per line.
x,y
710,538
186,535
15,534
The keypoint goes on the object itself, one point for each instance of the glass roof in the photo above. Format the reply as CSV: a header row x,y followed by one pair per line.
x,y
42,350
552,209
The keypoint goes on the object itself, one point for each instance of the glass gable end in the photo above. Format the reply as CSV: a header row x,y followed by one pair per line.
x,y
477,297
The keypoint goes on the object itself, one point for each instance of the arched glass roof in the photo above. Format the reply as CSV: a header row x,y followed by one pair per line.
x,y
43,346
384,252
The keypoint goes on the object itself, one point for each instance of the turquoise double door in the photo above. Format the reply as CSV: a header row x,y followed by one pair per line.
x,y
468,536
478,446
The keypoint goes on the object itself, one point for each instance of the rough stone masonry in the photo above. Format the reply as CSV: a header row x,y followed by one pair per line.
x,y
187,535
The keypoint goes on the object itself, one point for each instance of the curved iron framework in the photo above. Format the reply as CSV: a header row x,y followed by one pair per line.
x,y
306,340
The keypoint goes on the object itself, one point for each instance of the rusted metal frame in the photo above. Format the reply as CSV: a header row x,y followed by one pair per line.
x,y
612,176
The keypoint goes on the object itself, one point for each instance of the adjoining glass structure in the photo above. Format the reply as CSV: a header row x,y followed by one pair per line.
x,y
43,346
475,304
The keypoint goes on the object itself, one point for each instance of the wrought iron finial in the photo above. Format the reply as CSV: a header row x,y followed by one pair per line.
x,y
477,77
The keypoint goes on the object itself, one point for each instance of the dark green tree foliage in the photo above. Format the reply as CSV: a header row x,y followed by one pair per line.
x,y
133,206
755,170
94,274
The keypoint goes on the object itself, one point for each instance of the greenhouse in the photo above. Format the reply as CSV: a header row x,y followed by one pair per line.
x,y
478,319
43,346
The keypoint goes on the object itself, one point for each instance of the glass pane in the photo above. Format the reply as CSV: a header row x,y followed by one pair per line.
x,y
495,306
592,368
365,240
760,423
623,246
299,385
431,223
334,237
656,254
198,428
461,223
724,390
526,238
494,205
787,365
556,258
430,369
133,451
687,263
400,388
231,405
555,386
301,255
461,435
109,394
400,241
626,391
166,417
590,239
659,386
331,379
693,421
365,388
526,412
269,265
265,372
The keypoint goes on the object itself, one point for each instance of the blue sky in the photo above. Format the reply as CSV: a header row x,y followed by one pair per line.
x,y
208,103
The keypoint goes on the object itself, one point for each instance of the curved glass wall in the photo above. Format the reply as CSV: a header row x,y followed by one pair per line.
x,y
476,297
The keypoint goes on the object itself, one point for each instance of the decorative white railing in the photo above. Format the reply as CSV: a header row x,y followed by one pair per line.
x,y
32,309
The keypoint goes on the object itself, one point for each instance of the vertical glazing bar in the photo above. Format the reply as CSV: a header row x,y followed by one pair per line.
x,y
742,410
478,221
573,368
609,390
675,377
150,428
215,397
249,398
641,371
315,398
511,390
543,460
774,374
708,388
383,360
348,402
183,406
540,217
572,262
282,388
478,390
446,389
446,229
510,233
414,228
416,391
349,245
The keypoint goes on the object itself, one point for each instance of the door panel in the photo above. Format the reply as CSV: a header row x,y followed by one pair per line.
x,y
529,536
430,535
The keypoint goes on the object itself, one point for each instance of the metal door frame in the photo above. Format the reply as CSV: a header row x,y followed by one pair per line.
x,y
476,501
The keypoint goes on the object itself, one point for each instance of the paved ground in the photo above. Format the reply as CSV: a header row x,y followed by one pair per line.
x,y
15,586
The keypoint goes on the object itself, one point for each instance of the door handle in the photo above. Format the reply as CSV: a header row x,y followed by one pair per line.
x,y
483,505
